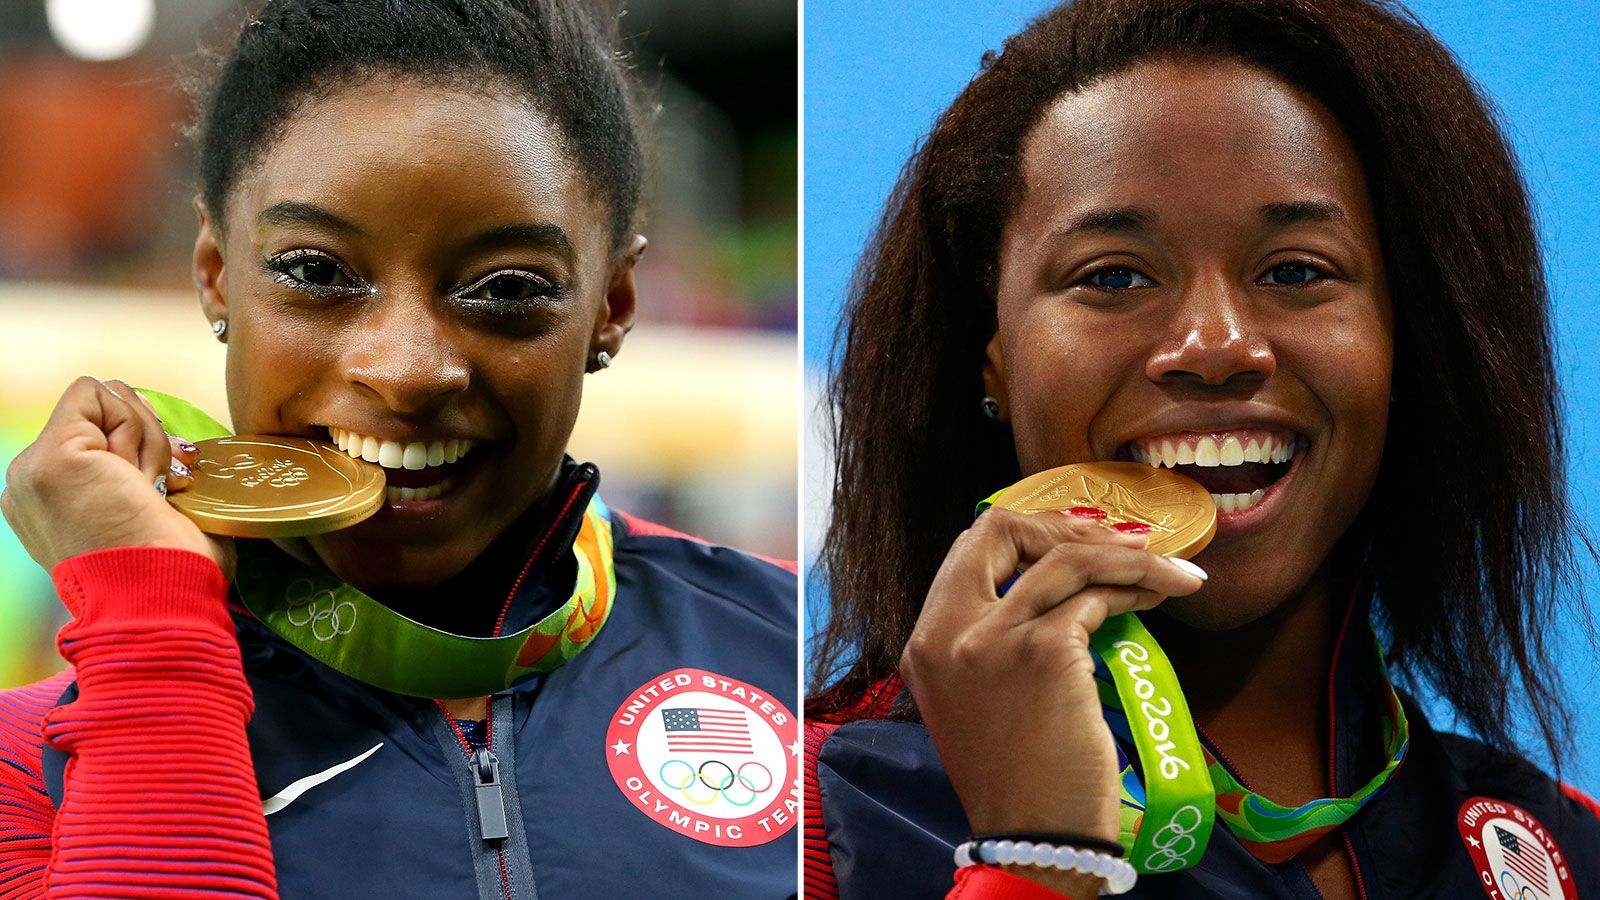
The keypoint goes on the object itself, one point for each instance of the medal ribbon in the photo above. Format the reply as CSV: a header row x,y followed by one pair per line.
x,y
339,625
1167,818
1270,831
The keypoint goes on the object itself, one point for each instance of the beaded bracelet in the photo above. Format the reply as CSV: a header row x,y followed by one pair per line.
x,y
1119,874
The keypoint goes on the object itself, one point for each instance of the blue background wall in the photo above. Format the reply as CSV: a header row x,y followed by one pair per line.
x,y
874,83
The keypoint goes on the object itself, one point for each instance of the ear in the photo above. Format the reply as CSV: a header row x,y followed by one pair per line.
x,y
615,318
206,267
994,376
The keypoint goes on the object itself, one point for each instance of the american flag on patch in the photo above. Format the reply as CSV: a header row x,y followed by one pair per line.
x,y
698,730
1531,867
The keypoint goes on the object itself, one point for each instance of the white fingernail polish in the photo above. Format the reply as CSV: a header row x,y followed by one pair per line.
x,y
161,485
1189,567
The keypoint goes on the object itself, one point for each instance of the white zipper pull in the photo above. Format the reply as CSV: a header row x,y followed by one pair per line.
x,y
491,799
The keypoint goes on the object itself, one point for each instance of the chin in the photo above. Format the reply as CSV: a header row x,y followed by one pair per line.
x,y
1208,609
389,567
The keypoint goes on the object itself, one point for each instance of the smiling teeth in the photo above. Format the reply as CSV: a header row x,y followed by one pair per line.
x,y
431,492
395,455
1208,451
1238,502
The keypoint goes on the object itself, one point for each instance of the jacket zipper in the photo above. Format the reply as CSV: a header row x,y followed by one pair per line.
x,y
483,765
488,793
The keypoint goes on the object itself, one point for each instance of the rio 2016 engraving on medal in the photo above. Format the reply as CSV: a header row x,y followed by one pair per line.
x,y
268,487
1175,511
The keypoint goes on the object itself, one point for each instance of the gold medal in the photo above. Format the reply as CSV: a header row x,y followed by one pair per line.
x,y
1176,512
270,487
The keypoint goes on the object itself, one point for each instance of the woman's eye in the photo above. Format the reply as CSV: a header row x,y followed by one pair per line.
x,y
314,270
1293,273
1116,278
511,287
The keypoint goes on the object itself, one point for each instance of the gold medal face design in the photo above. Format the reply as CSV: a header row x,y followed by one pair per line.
x,y
261,486
1176,512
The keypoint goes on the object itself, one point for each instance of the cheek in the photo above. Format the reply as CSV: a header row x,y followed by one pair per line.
x,y
271,360
1060,378
1347,362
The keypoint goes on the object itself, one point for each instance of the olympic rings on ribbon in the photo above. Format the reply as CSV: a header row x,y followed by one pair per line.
x,y
1173,842
724,785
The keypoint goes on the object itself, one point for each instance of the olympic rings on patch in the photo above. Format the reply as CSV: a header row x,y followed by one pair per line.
x,y
764,770
1522,891
701,773
733,785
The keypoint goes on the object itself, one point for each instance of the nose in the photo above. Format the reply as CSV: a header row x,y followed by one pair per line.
x,y
1212,341
402,352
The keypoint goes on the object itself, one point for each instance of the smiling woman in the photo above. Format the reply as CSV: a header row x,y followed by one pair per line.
x,y
1241,242
417,238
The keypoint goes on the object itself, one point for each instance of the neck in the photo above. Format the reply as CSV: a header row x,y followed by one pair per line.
x,y
1261,691
469,602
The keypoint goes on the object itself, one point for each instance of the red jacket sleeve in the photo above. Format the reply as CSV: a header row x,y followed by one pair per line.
x,y
160,797
990,883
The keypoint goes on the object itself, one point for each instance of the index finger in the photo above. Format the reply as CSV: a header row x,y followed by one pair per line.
x,y
988,555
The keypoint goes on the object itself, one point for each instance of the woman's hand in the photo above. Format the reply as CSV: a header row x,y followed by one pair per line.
x,y
1006,684
89,481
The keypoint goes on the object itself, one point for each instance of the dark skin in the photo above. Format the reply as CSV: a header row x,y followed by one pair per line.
x,y
1194,252
406,261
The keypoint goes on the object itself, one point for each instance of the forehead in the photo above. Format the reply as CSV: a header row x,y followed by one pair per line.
x,y
399,152
1210,135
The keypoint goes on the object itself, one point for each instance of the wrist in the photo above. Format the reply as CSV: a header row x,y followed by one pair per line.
x,y
1072,884
151,586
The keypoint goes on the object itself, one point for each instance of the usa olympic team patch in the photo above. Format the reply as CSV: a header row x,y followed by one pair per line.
x,y
1516,858
707,756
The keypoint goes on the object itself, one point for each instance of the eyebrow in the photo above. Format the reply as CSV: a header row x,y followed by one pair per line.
x,y
1110,220
538,235
298,212
1303,211
1130,219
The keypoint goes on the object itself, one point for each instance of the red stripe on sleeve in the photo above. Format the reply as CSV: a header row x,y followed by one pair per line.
x,y
1582,799
817,858
647,528
161,798
26,814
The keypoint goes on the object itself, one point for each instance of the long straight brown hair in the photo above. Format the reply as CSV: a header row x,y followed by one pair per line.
x,y
1474,447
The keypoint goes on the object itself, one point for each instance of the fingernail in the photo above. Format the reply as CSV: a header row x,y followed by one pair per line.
x,y
1084,512
187,447
161,485
179,469
1189,567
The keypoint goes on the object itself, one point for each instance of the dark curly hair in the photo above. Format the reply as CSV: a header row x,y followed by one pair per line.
x,y
562,54
1474,447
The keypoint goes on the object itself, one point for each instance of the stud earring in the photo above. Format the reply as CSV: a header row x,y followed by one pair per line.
x,y
991,408
602,360
219,328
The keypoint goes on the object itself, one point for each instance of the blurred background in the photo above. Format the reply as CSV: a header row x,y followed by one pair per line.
x,y
1538,61
694,428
